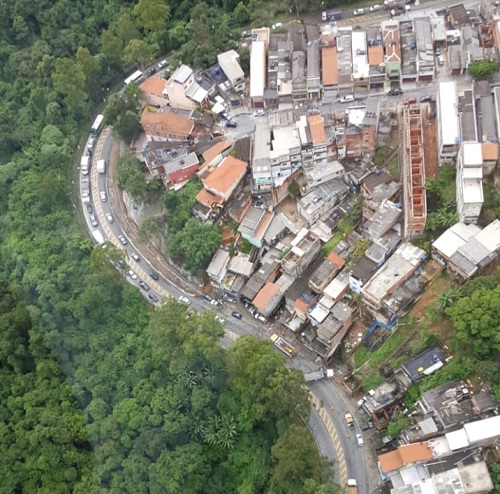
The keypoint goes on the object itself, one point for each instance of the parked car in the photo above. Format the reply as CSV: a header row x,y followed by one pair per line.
x,y
349,420
162,63
153,298
261,318
425,99
231,125
132,274
438,51
154,276
259,112
395,91
90,143
103,196
359,12
109,217
90,209
236,314
440,60
184,300
359,438
347,98
144,286
122,239
135,257
375,7
215,302
219,319
230,298
93,221
360,402
206,296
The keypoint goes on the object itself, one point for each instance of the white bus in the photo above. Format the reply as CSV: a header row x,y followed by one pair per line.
x,y
96,126
133,78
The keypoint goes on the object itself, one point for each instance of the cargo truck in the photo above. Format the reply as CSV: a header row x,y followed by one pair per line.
x,y
101,166
283,345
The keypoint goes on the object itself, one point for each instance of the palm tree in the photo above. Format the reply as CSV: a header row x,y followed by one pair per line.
x,y
448,298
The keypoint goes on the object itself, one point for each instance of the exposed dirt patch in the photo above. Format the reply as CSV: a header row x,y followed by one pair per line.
x,y
430,147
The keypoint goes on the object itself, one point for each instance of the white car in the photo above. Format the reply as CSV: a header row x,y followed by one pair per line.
x,y
219,319
122,239
135,257
184,300
375,7
103,196
347,98
359,12
259,113
109,218
132,274
359,438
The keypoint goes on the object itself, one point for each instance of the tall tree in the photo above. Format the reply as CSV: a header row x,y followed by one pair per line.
x,y
152,15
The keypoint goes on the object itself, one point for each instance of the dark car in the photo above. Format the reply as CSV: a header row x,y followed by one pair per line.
x,y
144,286
153,298
231,125
237,315
395,91
90,209
425,99
230,298
154,275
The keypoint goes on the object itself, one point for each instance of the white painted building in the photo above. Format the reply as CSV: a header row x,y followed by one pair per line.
x,y
469,182
448,122
257,73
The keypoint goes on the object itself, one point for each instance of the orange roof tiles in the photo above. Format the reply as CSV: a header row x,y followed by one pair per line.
x,y
216,149
490,151
317,128
168,122
207,198
154,85
404,455
301,305
223,178
329,63
264,225
336,259
265,295
376,55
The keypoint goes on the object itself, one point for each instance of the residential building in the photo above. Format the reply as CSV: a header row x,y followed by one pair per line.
x,y
268,271
183,91
467,115
424,364
360,65
344,59
425,49
469,182
448,135
369,127
449,404
268,299
337,288
396,271
326,272
257,73
313,72
392,43
382,221
173,167
304,249
299,77
376,57
218,187
466,249
254,225
262,181
228,62
214,155
472,45
155,92
321,200
330,72
407,455
360,273
409,53
284,153
166,126
490,157
217,268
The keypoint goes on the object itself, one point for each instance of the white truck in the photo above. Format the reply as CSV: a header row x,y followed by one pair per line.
x,y
283,345
352,486
101,166
84,165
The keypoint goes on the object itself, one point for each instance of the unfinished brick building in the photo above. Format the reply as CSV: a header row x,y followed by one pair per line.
x,y
415,205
